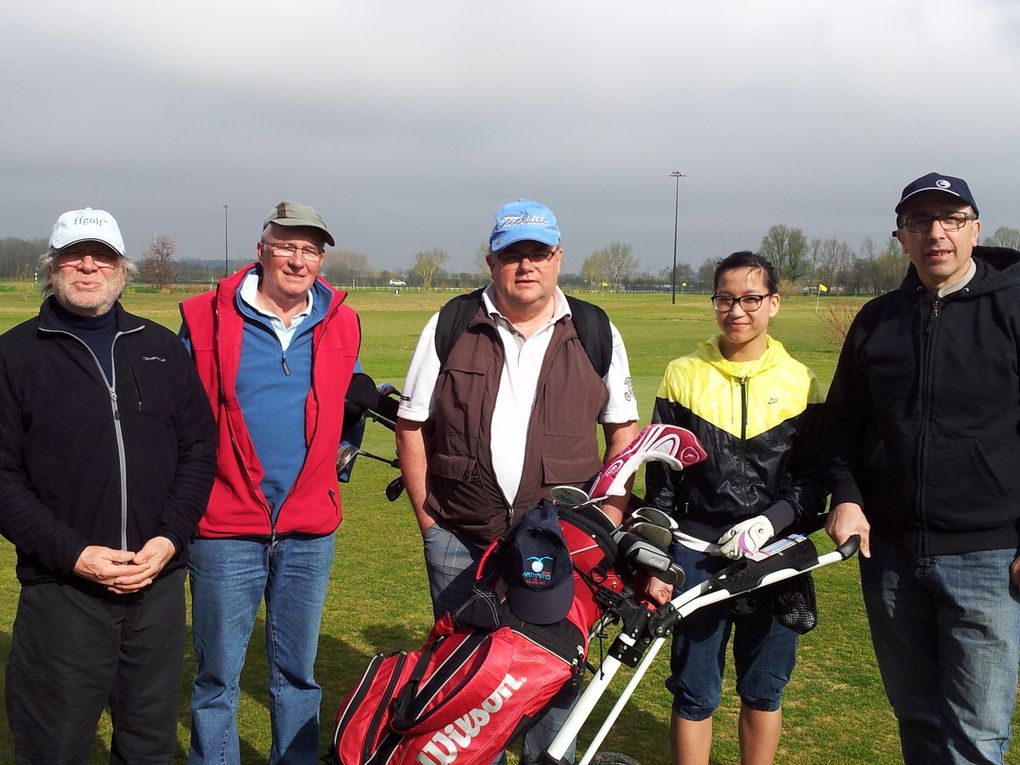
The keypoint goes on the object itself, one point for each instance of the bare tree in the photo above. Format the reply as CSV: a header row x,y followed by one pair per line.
x,y
346,267
158,267
614,264
684,274
622,263
595,268
834,258
787,249
19,255
1004,236
481,265
427,264
706,271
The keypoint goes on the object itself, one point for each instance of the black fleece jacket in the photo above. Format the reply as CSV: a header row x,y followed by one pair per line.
x,y
84,464
925,412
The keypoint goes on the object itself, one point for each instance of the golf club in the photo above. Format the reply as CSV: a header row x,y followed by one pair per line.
x,y
345,456
654,516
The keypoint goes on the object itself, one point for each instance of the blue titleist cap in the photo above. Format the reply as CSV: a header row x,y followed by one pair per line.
x,y
947,184
523,221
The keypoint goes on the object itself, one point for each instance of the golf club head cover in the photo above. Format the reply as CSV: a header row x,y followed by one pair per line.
x,y
746,537
676,446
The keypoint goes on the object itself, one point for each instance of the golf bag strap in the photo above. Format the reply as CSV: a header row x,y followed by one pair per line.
x,y
409,717
590,322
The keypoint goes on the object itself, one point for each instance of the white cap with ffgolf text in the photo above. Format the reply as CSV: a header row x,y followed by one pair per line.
x,y
87,225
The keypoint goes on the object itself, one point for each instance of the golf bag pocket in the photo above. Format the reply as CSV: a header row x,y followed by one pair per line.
x,y
464,695
794,604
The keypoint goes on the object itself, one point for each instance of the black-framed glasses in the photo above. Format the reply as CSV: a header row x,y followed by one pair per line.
x,y
750,303
921,224
537,257
289,250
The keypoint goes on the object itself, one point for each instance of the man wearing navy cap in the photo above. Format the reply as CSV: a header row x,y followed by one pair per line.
x,y
925,433
510,408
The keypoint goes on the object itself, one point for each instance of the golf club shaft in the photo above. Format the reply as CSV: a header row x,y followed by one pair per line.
x,y
391,463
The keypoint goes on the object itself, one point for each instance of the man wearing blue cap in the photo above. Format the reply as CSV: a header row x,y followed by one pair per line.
x,y
925,432
501,404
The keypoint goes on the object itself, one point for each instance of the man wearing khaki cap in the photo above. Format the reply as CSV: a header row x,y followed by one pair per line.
x,y
107,455
275,347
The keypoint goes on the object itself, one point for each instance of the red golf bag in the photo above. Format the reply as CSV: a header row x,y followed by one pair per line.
x,y
469,691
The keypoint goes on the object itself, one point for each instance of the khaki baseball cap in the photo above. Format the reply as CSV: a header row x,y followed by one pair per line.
x,y
289,213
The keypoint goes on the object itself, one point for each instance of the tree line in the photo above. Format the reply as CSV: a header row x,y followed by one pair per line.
x,y
801,264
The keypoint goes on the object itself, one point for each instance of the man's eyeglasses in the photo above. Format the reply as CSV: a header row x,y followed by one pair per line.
x,y
921,224
537,257
288,250
102,260
724,303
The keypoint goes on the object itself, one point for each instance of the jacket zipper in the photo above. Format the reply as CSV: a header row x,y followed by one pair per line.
x,y
927,361
111,387
743,432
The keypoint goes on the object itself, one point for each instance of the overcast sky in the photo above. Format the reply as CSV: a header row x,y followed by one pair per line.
x,y
407,123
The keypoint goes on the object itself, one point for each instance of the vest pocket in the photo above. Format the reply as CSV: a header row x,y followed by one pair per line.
x,y
454,467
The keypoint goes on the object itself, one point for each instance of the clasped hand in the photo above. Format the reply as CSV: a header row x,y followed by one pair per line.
x,y
124,571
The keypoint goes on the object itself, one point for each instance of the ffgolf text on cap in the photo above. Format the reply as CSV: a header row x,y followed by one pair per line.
x,y
87,225
523,221
945,184
295,214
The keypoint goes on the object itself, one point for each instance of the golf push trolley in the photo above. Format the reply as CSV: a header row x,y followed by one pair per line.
x,y
476,685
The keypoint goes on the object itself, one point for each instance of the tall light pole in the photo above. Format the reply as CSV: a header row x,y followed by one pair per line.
x,y
676,219
226,243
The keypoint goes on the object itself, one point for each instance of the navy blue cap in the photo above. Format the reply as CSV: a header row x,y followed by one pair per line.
x,y
947,184
540,583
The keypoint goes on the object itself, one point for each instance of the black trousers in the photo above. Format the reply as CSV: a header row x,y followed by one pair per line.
x,y
76,650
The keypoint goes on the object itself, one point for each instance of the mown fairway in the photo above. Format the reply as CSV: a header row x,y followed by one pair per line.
x,y
835,710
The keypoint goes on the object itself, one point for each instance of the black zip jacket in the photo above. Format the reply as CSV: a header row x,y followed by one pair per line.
x,y
84,464
924,412
758,420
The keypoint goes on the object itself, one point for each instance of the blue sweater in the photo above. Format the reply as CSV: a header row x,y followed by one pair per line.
x,y
272,386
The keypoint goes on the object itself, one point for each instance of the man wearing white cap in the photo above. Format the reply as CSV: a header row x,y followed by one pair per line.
x,y
107,455
509,384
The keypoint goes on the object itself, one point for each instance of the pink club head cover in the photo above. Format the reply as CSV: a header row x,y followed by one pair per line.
x,y
676,446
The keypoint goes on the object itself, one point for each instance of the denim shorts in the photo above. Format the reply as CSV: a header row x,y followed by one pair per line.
x,y
764,651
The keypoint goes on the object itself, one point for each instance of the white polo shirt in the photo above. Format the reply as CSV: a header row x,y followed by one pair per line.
x,y
517,385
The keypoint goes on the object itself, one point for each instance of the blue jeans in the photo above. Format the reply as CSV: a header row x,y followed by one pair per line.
x,y
229,580
764,651
450,562
946,631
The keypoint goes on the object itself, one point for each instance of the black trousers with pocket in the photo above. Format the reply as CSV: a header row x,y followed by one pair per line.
x,y
77,649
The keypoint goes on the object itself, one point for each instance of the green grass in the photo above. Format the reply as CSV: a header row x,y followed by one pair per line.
x,y
834,708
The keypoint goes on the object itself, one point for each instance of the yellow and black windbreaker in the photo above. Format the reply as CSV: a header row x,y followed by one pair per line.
x,y
759,422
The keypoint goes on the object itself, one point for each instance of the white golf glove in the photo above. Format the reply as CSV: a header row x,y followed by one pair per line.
x,y
746,537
